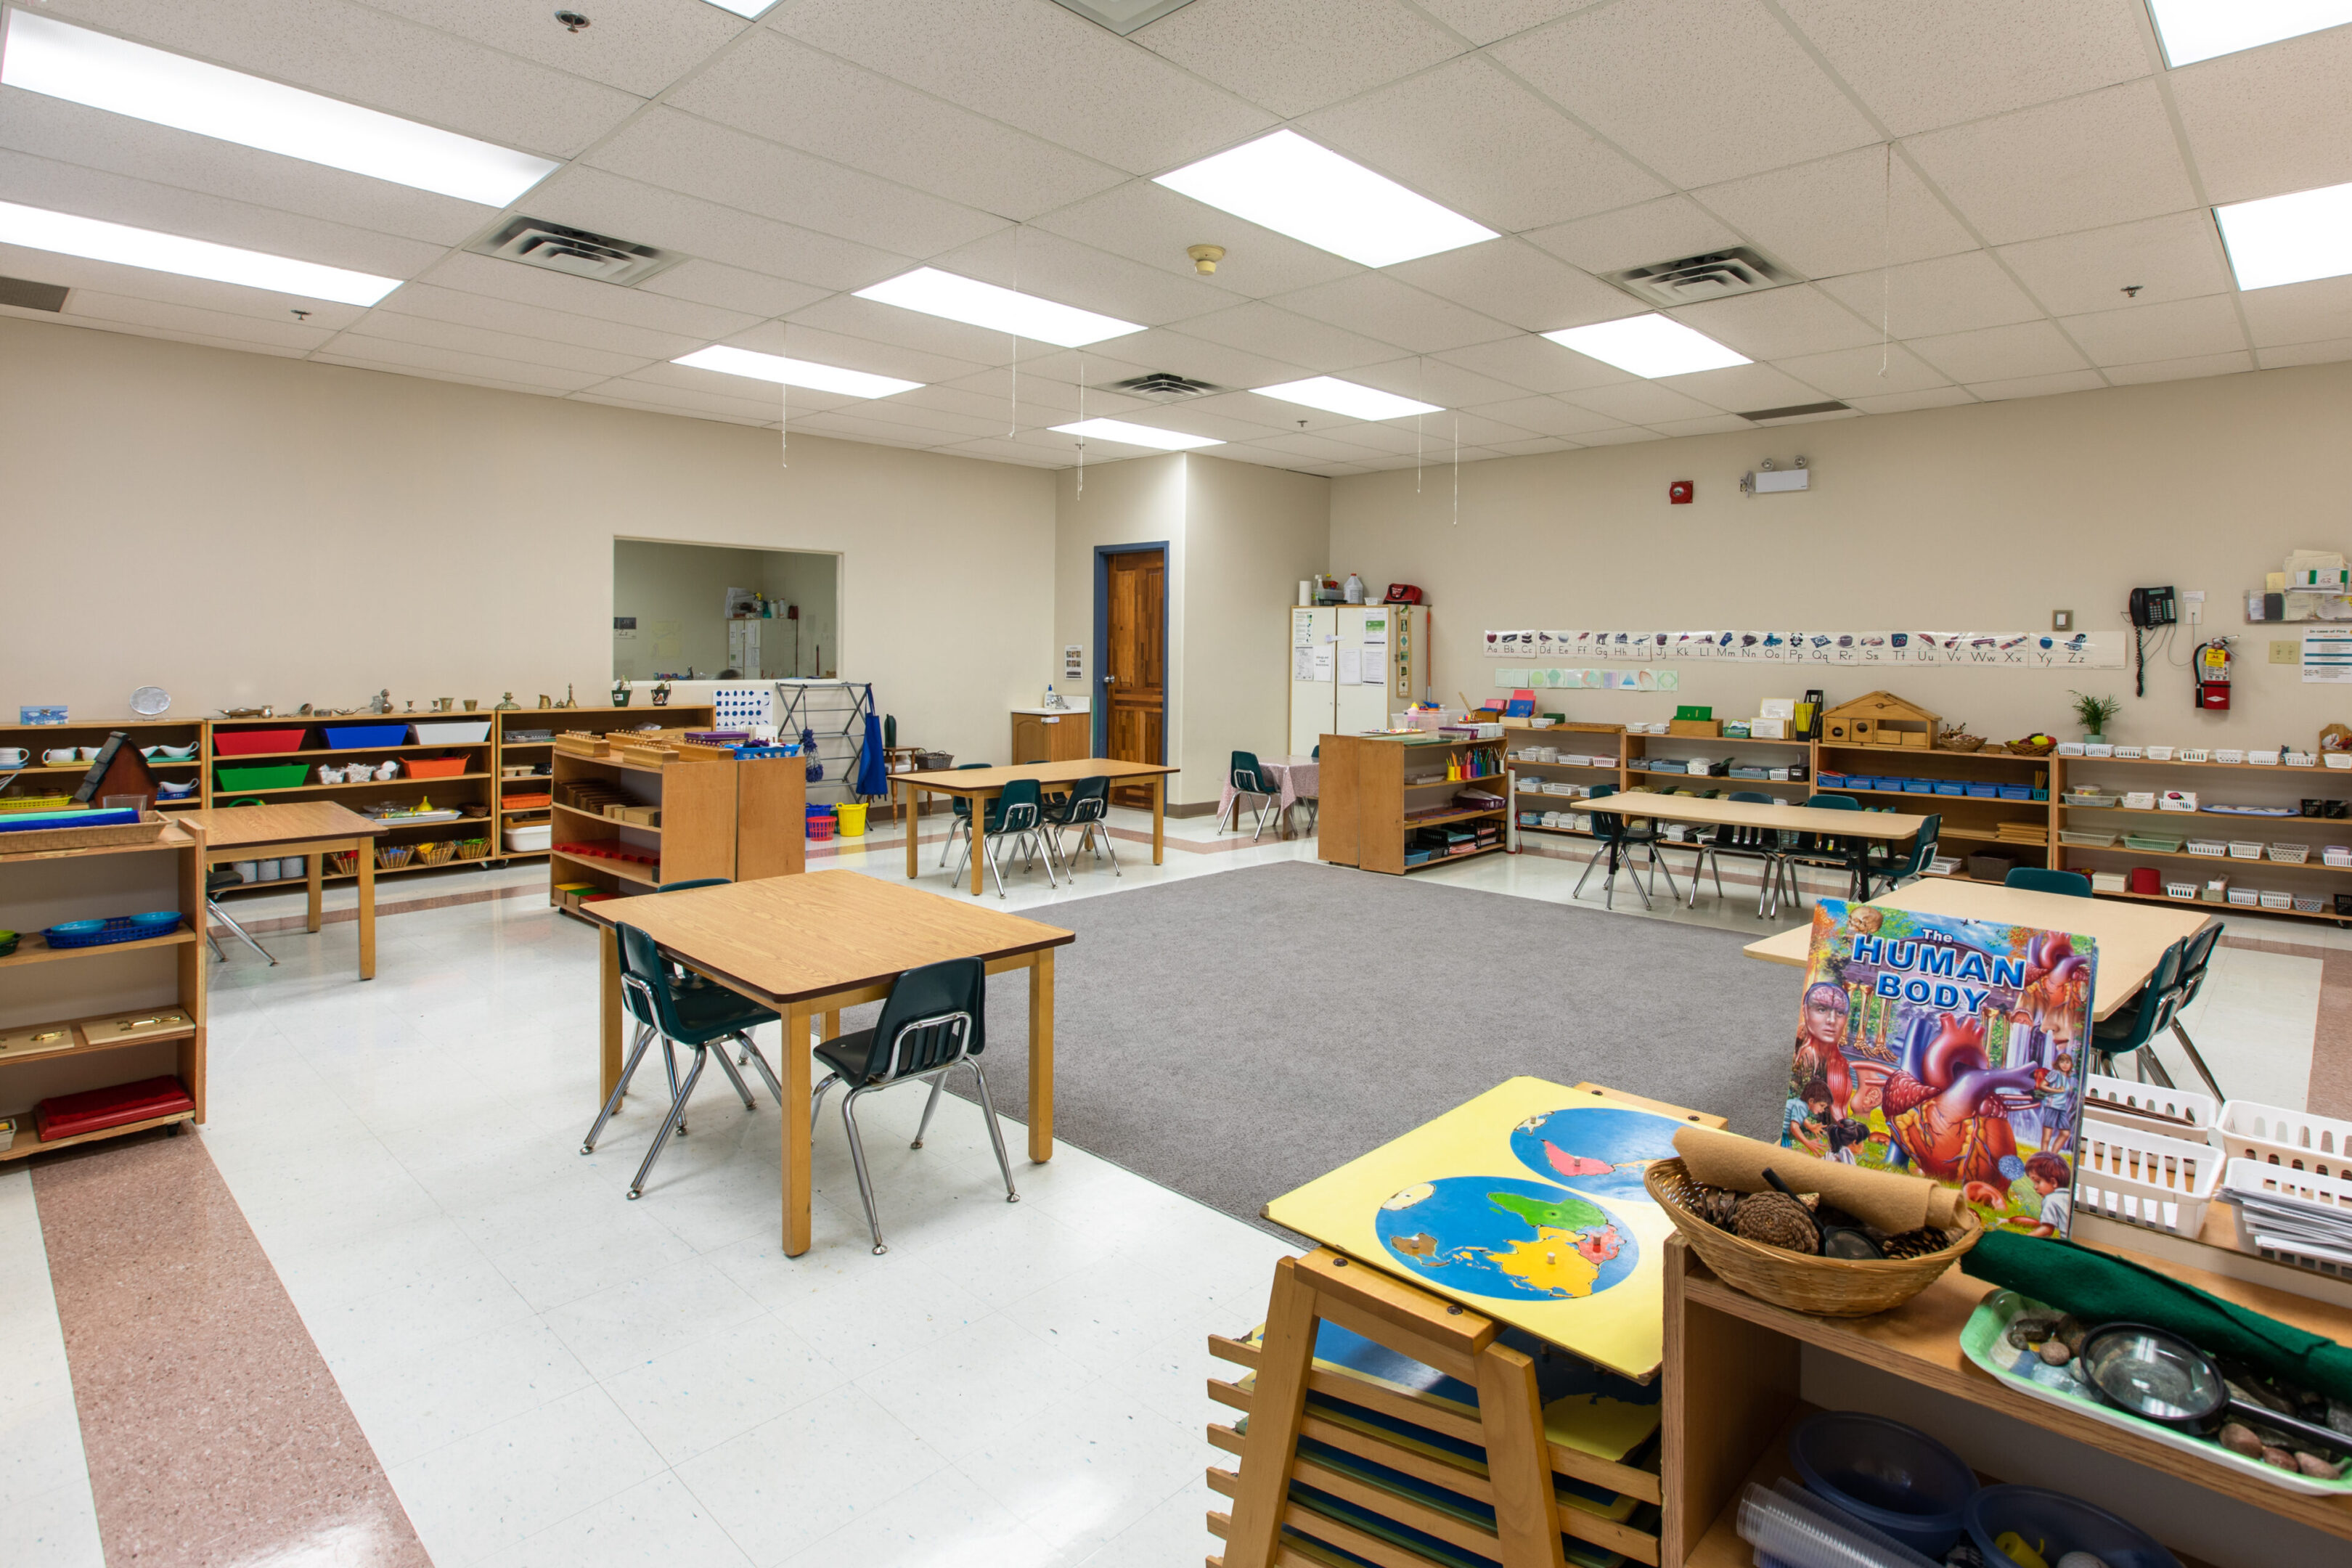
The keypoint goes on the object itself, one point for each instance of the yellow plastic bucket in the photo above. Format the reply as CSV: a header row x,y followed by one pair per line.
x,y
852,820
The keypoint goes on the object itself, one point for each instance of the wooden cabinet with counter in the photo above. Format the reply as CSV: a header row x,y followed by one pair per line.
x,y
1051,735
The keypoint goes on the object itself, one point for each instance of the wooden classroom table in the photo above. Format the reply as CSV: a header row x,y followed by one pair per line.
x,y
2131,937
980,786
809,946
1884,826
315,829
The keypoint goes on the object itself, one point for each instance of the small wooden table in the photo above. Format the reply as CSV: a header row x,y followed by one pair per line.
x,y
2131,937
316,828
808,946
980,786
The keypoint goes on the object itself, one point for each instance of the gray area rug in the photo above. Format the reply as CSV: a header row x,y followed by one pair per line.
x,y
1235,1036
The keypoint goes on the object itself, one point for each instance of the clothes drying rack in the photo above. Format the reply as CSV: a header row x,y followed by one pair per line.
x,y
834,711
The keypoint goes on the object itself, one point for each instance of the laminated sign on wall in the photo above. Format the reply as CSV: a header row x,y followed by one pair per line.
x,y
1901,650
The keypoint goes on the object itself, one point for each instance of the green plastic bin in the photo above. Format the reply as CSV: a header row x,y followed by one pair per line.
x,y
275,776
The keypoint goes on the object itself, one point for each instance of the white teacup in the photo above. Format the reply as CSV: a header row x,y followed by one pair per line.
x,y
59,756
90,753
14,756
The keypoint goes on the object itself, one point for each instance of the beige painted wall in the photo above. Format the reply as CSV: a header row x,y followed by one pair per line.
x,y
241,529
1988,516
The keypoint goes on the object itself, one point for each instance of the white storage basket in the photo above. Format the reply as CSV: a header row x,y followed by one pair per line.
x,y
2117,1099
2291,854
2245,849
2210,847
2331,1196
2297,1140
2145,1178
535,836
2277,899
2180,890
451,731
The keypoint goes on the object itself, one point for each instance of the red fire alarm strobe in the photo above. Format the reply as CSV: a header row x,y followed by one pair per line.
x,y
1679,493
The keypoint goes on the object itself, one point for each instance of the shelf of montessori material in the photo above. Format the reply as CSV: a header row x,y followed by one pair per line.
x,y
632,810
1395,803
1995,804
1549,770
83,1017
2144,823
523,749
425,776
41,783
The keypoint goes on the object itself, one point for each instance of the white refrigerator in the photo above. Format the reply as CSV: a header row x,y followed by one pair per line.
x,y
1352,666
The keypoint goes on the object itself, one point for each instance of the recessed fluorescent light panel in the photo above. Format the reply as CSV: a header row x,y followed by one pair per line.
x,y
58,61
1137,434
1291,186
2289,239
796,372
40,229
978,304
1333,396
744,7
2193,30
1651,345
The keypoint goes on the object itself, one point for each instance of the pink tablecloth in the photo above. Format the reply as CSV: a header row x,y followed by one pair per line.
x,y
1296,779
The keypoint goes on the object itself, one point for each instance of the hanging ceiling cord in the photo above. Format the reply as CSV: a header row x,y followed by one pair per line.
x,y
1886,258
783,415
1012,415
1457,470
1082,420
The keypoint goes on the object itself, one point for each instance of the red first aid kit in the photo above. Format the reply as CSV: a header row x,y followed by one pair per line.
x,y
1402,593
93,1110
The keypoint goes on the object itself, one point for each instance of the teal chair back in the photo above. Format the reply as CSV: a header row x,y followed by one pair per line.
x,y
1246,775
1018,809
2159,1000
2195,955
2042,879
1832,801
1089,801
933,1015
961,804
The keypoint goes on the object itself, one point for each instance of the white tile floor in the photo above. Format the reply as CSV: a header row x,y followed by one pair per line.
x,y
553,1375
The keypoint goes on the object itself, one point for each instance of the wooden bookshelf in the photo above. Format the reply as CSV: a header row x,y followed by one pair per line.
x,y
1372,787
39,778
509,753
739,819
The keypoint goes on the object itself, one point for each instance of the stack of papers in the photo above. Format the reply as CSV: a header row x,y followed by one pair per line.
x,y
2275,1213
2023,832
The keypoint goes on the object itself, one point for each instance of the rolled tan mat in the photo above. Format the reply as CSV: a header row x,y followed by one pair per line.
x,y
1893,1202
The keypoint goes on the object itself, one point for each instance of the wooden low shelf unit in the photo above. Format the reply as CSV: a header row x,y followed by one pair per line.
x,y
738,819
1364,816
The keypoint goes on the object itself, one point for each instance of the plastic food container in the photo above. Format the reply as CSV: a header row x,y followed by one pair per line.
x,y
1889,1476
246,742
266,775
2145,1178
451,731
2055,1524
531,836
349,737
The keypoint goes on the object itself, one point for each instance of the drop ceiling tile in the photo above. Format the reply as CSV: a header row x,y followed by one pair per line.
x,y
638,46
1466,134
1547,417
2170,329
848,316
1220,364
1642,402
1267,415
1533,364
143,204
1434,381
1485,21
728,288
1796,318
1037,261
1195,420
736,390
216,326
2270,120
426,332
1044,70
797,340
1847,213
2325,353
1153,225
1949,294
535,322
2107,157
1265,329
1821,418
2176,256
1073,366
640,405
778,88
1664,230
1300,54
1510,280
678,153
164,335
2037,385
1999,353
606,203
1540,447
2299,313
534,285
69,134
1380,306
1905,402
1743,388
1434,443
1622,435
1319,449
1712,425
2181,369
1475,430
1854,374
486,370
1701,90
138,283
359,54
1037,394
1920,66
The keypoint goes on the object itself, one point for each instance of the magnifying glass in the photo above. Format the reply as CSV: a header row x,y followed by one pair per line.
x,y
1846,1241
2159,1377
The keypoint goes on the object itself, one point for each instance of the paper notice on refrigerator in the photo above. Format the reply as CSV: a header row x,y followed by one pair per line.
x,y
1375,659
1351,667
1302,664
2328,656
1322,656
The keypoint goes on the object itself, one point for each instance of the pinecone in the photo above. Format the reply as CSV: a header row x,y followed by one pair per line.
x,y
1718,1206
1778,1220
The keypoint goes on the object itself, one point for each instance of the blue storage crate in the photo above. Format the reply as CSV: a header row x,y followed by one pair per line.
x,y
2016,791
1918,786
2042,794
1984,792
353,737
1950,786
1832,781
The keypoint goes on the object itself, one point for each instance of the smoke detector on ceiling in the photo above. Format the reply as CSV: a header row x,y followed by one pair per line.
x,y
1717,275
535,242
1163,386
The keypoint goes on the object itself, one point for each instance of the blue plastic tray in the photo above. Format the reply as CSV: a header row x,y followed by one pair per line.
x,y
353,737
121,928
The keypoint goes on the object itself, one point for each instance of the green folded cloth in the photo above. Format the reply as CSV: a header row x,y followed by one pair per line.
x,y
2100,1288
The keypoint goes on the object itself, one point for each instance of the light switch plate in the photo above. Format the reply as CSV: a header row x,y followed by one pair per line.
x,y
2284,652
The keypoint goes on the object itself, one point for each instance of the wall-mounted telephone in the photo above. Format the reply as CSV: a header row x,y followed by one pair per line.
x,y
2153,607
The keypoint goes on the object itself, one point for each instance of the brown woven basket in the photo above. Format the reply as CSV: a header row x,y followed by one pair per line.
x,y
1959,743
1830,1287
43,840
2032,748
472,849
436,852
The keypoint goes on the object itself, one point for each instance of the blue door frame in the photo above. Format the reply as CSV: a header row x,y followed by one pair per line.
x,y
1098,711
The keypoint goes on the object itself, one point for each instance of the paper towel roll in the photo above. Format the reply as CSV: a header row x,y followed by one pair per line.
x,y
1893,1202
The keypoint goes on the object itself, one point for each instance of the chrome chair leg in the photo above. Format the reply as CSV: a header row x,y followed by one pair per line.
x,y
673,1123
2195,1060
669,1065
857,1158
816,1100
742,1090
628,1070
2152,1070
1103,827
1659,861
988,1108
222,915
759,1060
959,825
1590,861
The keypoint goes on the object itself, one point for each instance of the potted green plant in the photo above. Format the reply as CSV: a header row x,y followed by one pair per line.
x,y
2094,714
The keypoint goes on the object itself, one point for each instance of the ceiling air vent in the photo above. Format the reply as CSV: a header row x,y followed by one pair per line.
x,y
1794,411
1163,386
1716,275
535,242
27,294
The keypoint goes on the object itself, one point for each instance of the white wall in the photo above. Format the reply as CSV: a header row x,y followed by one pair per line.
x,y
1988,516
1253,533
241,529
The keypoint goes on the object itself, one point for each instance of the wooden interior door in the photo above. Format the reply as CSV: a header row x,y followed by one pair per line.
x,y
1135,678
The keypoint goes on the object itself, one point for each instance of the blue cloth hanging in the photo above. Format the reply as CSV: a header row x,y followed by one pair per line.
x,y
808,750
873,774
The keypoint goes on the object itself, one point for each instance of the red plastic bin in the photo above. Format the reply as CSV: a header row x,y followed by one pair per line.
x,y
246,742
435,767
63,1116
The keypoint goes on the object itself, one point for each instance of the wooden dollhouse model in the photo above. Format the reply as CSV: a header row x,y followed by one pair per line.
x,y
1880,719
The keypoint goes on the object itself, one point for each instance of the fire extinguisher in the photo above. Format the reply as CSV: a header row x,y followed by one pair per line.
x,y
2210,666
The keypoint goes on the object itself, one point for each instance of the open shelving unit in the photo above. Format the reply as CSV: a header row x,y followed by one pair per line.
x,y
718,817
509,753
1370,808
39,778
